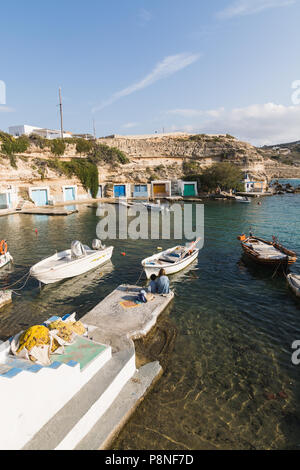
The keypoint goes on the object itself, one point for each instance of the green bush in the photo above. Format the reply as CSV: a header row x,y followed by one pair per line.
x,y
84,146
58,147
85,170
110,155
39,141
224,175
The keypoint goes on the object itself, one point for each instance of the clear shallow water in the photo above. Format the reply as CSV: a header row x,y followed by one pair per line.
x,y
235,326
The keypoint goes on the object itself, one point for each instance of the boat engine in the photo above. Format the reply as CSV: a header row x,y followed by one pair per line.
x,y
77,249
97,245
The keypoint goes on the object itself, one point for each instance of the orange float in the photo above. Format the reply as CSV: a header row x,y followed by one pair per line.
x,y
3,247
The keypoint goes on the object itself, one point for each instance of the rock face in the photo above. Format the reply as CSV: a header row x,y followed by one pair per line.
x,y
172,156
154,157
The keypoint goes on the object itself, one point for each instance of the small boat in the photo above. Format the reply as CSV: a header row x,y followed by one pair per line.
x,y
172,260
266,252
243,199
294,283
70,263
5,256
156,207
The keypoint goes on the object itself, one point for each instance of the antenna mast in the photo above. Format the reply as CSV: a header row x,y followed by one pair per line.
x,y
61,115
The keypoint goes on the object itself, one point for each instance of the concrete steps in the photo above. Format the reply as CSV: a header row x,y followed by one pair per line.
x,y
71,424
32,394
112,421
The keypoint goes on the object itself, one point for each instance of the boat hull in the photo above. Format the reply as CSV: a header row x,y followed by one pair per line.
x,y
5,259
72,269
169,268
294,283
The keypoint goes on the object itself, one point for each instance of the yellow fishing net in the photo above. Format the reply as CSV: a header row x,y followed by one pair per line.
x,y
65,332
34,336
78,328
66,329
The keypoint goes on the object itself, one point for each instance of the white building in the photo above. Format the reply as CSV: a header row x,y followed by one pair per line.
x,y
24,129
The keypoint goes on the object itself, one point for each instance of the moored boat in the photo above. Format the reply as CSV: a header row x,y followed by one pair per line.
x,y
294,283
243,199
172,260
266,252
71,263
5,256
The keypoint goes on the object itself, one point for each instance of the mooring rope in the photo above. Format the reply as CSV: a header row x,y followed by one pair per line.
x,y
27,275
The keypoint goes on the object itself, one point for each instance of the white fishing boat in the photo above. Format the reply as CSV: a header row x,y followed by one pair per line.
x,y
70,263
5,256
158,207
243,199
294,283
5,259
172,260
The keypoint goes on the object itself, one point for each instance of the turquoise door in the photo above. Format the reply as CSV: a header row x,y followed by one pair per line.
x,y
70,194
3,201
40,197
189,190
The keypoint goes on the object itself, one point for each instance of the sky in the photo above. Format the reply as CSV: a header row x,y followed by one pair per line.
x,y
146,66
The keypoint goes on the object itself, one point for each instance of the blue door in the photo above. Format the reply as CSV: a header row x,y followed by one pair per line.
x,y
40,197
70,194
120,190
140,190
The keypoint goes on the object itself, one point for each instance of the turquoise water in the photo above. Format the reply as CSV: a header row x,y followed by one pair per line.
x,y
235,326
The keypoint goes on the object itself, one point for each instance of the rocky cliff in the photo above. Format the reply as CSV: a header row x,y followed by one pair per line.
x,y
150,157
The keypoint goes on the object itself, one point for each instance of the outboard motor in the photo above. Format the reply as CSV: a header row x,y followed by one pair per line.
x,y
77,249
97,245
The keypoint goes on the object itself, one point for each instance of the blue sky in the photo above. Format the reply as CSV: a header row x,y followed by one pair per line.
x,y
138,66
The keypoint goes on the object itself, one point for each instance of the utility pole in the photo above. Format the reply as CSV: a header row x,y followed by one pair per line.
x,y
61,115
94,129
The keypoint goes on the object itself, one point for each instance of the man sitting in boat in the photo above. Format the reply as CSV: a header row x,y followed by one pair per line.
x,y
152,288
163,283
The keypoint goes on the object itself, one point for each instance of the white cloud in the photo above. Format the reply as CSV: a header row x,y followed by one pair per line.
x,y
259,124
191,113
167,67
250,7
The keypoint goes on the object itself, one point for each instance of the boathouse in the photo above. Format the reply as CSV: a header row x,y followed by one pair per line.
x,y
188,188
40,196
122,190
69,193
8,197
161,189
140,191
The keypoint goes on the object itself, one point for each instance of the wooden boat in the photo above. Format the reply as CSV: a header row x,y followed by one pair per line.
x,y
172,260
70,263
266,252
294,283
